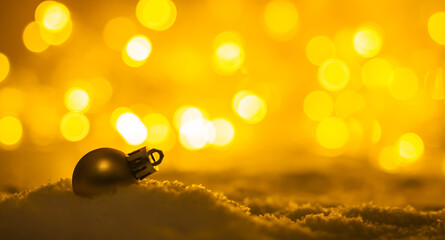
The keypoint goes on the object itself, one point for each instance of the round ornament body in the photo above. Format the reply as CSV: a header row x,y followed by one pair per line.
x,y
101,171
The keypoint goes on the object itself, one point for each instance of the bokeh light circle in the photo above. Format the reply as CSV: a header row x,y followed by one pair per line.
x,y
74,126
11,130
225,132
281,19
320,49
367,43
333,74
436,28
250,107
332,133
318,105
157,15
4,67
32,39
77,99
411,147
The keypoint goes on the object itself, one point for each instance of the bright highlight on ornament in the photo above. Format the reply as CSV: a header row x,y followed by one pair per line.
x,y
319,49
404,84
376,73
281,19
158,128
74,126
250,107
157,15
53,16
367,43
137,51
11,130
333,74
131,128
32,38
318,105
332,133
228,58
224,132
117,31
77,100
436,29
4,67
410,147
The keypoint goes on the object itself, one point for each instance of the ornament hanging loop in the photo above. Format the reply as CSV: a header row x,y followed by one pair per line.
x,y
143,163
152,157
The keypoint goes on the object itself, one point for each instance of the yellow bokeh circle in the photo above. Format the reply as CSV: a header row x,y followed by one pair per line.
x,y
250,107
320,49
11,130
436,28
318,105
281,19
4,67
157,15
74,126
32,38
367,43
411,147
332,133
77,100
333,74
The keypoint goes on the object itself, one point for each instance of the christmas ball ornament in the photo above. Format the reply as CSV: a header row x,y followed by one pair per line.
x,y
104,169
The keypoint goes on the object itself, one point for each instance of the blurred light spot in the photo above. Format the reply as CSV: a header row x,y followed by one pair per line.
x,y
116,113
76,99
320,49
436,28
376,73
158,127
376,132
404,84
4,67
11,100
11,130
131,128
56,38
117,31
410,147
281,19
137,51
224,132
185,114
102,91
228,58
333,74
196,134
318,105
348,103
158,15
389,159
249,107
32,39
74,126
332,133
53,16
367,43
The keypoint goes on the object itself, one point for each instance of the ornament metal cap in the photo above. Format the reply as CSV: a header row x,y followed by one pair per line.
x,y
143,163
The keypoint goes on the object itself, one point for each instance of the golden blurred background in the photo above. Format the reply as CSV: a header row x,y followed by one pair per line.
x,y
222,85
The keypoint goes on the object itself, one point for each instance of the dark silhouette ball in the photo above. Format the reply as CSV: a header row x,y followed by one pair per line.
x,y
101,171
